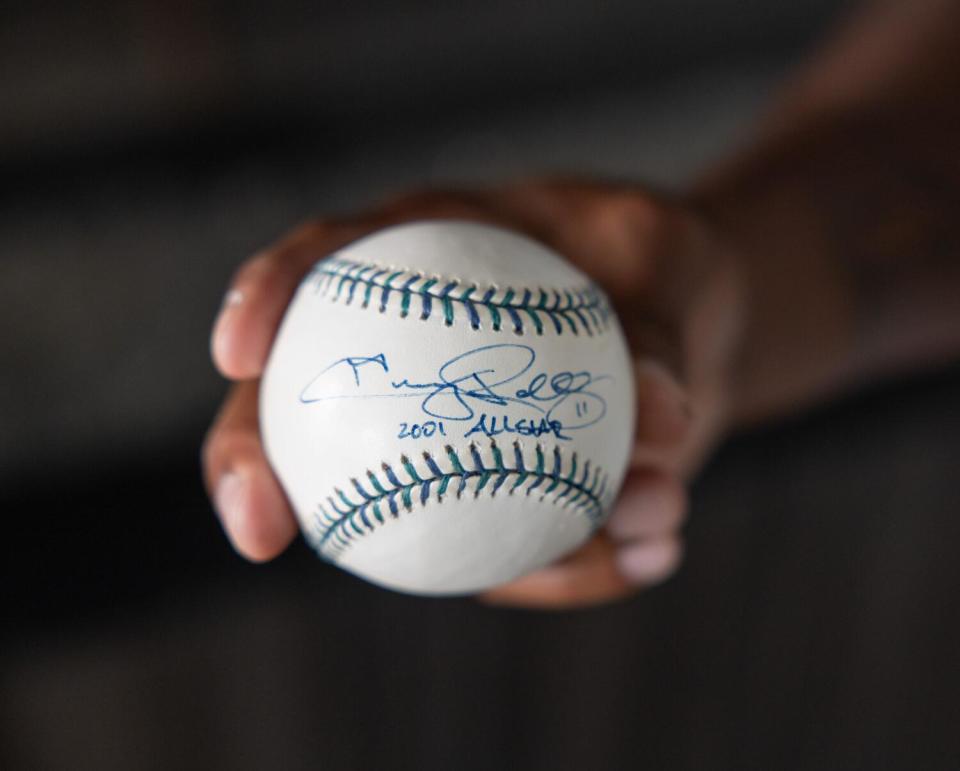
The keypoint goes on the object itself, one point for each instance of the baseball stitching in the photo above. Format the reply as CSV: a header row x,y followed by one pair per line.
x,y
344,518
572,310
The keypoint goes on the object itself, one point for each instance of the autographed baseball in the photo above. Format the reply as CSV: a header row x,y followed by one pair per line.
x,y
448,406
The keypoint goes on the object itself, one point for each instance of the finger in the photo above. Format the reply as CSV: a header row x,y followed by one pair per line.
x,y
651,505
663,411
649,561
595,574
249,501
474,205
586,577
620,227
261,290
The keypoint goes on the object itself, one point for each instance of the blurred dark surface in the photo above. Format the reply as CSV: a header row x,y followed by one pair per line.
x,y
145,150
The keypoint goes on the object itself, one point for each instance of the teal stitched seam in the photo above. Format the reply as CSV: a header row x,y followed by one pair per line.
x,y
567,310
345,517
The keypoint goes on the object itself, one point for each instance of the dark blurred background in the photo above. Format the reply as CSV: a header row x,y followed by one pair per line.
x,y
146,148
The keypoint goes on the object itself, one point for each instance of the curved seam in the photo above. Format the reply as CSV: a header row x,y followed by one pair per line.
x,y
345,517
577,310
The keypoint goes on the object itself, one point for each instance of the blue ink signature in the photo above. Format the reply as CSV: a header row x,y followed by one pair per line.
x,y
491,376
523,427
355,362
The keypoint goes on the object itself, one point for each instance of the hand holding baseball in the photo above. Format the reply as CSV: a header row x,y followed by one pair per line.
x,y
678,299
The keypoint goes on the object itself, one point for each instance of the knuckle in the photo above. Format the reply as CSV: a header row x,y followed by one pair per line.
x,y
206,450
210,450
434,203
281,255
251,269
224,443
309,230
637,222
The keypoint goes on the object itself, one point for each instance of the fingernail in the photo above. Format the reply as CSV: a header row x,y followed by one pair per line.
x,y
646,563
230,498
231,298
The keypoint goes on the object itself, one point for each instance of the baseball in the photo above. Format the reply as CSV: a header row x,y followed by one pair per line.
x,y
448,406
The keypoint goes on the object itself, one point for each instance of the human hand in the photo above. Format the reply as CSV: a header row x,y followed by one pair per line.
x,y
676,292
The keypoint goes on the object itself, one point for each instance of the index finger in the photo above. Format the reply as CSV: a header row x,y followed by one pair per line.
x,y
263,286
260,291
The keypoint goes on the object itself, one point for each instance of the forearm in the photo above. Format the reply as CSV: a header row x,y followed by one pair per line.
x,y
846,212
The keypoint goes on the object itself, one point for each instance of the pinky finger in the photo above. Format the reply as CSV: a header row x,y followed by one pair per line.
x,y
589,576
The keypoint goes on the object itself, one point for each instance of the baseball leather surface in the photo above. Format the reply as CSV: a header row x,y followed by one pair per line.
x,y
448,406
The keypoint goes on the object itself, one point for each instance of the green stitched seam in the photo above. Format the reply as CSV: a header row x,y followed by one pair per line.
x,y
576,310
350,520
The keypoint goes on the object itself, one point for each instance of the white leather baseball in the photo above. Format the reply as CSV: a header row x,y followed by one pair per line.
x,y
448,406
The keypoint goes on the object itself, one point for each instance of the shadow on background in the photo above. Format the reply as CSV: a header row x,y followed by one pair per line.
x,y
146,150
